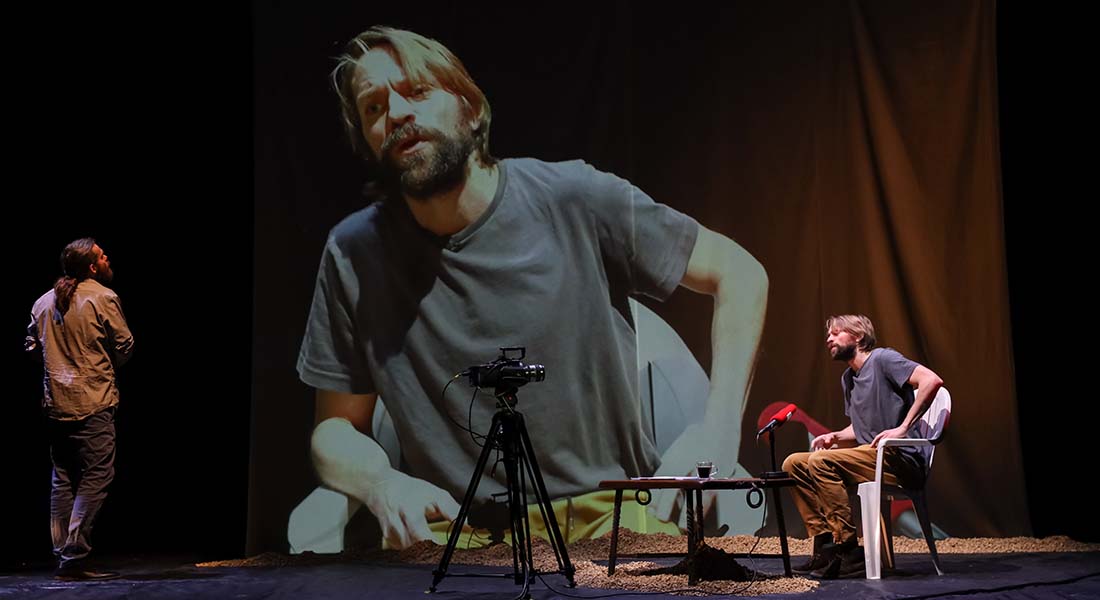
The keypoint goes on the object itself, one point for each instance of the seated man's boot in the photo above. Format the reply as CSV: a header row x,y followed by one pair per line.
x,y
817,559
846,560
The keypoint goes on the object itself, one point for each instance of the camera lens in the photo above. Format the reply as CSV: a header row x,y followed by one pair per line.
x,y
534,372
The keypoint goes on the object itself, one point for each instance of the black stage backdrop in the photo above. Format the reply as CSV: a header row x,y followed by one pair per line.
x,y
140,136
134,128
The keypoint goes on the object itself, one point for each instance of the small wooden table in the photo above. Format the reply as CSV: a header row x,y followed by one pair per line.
x,y
693,503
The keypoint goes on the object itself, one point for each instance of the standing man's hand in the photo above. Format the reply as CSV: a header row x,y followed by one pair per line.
x,y
30,345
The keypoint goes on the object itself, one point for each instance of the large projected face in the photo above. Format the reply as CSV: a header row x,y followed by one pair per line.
x,y
417,130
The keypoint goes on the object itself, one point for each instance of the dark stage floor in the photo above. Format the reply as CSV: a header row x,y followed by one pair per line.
x,y
1002,576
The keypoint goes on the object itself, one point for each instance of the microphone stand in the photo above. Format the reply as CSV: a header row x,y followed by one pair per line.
x,y
775,473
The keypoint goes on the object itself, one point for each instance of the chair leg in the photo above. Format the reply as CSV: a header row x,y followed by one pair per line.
x,y
870,500
887,532
921,508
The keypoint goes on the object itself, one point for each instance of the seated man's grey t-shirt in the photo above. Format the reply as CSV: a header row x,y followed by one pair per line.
x,y
878,398
550,265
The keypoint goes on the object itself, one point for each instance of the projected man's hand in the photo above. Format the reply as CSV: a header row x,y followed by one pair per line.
x,y
405,505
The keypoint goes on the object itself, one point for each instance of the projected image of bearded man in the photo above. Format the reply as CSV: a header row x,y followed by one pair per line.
x,y
463,253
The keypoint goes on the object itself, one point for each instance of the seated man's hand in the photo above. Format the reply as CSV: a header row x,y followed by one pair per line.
x,y
405,505
897,432
824,441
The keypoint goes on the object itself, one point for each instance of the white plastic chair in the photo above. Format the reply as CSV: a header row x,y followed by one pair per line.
x,y
875,497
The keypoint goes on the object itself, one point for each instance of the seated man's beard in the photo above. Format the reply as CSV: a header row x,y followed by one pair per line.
x,y
436,168
845,353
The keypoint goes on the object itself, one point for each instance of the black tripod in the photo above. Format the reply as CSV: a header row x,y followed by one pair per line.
x,y
509,435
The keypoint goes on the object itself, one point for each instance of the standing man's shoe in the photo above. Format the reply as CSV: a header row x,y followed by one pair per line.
x,y
82,573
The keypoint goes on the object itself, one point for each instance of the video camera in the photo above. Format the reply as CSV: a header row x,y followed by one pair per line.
x,y
505,371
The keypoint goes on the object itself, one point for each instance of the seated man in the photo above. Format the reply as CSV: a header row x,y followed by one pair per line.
x,y
885,395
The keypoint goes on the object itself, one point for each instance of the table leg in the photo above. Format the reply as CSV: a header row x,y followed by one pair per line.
x,y
782,531
699,517
615,533
690,518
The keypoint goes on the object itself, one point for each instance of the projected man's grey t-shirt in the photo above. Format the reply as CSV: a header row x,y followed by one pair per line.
x,y
549,265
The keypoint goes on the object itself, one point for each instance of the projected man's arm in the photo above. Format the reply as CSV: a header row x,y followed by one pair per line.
x,y
721,268
349,460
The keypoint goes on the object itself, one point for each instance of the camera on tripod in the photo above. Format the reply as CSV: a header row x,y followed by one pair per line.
x,y
507,370
508,436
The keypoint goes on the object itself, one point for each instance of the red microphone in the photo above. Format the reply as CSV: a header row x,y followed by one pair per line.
x,y
778,419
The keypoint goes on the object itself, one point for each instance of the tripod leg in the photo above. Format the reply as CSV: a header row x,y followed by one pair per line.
x,y
556,540
523,469
516,505
545,519
463,511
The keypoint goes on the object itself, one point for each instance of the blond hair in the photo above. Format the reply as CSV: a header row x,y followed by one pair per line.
x,y
858,325
423,60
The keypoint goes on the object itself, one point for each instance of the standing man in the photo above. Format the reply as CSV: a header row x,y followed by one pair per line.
x,y
885,395
463,253
82,335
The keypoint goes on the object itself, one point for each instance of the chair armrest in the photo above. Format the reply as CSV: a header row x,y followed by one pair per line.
x,y
905,442
882,444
